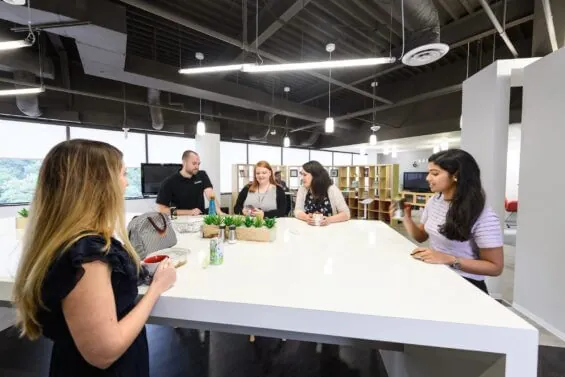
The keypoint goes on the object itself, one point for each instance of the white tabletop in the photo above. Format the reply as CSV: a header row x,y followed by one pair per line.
x,y
350,280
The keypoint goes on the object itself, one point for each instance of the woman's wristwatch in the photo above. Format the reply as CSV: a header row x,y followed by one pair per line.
x,y
456,265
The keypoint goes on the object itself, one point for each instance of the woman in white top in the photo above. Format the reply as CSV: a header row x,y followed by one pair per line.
x,y
319,195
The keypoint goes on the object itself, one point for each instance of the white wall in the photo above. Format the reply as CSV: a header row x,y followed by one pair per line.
x,y
513,161
405,161
539,282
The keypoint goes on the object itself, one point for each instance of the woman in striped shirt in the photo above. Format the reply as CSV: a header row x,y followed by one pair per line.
x,y
463,232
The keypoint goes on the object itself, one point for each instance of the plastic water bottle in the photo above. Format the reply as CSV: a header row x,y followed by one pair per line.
x,y
212,207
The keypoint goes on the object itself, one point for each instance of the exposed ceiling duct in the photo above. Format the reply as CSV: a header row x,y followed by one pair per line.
x,y
267,119
27,104
422,46
154,98
312,139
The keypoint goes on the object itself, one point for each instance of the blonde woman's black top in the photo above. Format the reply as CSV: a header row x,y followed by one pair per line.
x,y
62,277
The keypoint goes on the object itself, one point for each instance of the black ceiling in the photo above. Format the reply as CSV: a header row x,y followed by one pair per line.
x,y
359,28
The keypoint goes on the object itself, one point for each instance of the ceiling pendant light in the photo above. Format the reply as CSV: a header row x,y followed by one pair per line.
x,y
200,125
374,128
286,141
329,125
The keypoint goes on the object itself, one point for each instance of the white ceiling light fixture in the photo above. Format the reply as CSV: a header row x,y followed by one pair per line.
x,y
29,40
286,141
200,125
213,69
329,125
21,91
374,128
348,63
373,137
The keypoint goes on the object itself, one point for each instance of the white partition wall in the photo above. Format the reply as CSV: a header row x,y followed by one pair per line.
x,y
539,289
484,134
208,147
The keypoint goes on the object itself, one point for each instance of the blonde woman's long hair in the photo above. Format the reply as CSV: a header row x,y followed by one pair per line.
x,y
78,193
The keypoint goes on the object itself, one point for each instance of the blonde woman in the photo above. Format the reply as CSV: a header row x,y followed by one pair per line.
x,y
76,283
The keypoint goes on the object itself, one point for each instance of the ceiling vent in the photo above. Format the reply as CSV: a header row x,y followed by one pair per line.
x,y
423,45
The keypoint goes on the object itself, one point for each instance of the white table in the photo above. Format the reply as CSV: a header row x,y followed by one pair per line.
x,y
343,283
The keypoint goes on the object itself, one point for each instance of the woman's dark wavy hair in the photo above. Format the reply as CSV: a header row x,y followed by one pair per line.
x,y
469,199
321,180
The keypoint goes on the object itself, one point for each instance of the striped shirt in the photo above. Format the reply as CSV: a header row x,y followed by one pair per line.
x,y
486,232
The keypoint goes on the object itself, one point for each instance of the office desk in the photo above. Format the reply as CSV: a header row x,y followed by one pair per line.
x,y
344,284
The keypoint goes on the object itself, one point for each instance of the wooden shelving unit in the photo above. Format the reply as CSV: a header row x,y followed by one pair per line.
x,y
417,199
376,182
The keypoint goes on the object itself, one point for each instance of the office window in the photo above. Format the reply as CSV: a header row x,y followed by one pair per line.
x,y
323,157
341,159
295,156
133,148
230,154
264,152
168,149
359,159
23,146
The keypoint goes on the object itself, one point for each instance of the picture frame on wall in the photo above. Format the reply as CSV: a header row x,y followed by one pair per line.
x,y
293,173
333,173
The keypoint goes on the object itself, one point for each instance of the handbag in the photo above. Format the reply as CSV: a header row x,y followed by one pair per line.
x,y
150,232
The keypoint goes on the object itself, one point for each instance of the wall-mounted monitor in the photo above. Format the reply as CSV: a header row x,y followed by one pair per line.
x,y
152,175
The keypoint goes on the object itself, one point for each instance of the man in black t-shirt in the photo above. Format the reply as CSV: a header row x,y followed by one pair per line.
x,y
185,190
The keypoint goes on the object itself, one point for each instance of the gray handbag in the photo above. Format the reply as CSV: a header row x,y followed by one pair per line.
x,y
150,232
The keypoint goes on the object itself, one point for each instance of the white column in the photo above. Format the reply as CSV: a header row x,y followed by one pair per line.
x,y
540,251
208,147
484,134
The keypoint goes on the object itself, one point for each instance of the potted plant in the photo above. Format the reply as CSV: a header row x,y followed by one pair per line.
x,y
211,226
22,218
257,229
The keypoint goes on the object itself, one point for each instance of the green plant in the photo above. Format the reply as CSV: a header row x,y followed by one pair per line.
x,y
238,221
212,220
228,221
258,223
23,212
248,222
270,222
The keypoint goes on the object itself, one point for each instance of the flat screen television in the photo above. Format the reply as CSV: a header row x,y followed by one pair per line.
x,y
416,182
152,175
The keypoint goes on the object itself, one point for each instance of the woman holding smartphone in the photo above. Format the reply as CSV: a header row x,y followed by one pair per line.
x,y
262,197
76,283
463,232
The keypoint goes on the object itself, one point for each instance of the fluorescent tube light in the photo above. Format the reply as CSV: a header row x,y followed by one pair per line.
x,y
253,68
217,68
22,91
12,45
